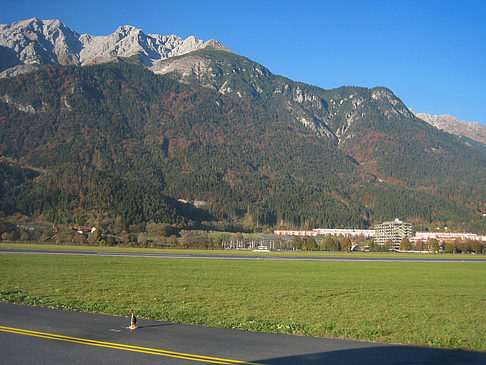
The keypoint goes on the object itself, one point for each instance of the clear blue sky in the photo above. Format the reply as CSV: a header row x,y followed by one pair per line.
x,y
431,53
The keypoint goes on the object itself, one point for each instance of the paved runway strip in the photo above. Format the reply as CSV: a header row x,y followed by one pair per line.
x,y
119,346
167,255
35,335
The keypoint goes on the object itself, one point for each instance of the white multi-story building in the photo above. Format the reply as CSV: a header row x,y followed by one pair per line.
x,y
393,231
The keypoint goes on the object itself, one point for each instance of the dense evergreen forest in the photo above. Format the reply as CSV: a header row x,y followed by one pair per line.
x,y
117,143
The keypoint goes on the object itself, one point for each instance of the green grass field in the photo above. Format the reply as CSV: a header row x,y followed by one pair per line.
x,y
426,304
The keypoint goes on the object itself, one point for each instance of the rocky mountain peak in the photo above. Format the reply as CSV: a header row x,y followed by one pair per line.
x,y
392,106
36,42
450,124
213,43
126,29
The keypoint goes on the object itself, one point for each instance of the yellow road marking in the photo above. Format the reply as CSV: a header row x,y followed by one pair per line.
x,y
119,346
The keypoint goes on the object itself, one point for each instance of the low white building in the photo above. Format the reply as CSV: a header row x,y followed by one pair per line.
x,y
368,233
447,236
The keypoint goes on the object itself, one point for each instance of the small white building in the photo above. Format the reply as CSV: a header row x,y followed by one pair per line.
x,y
368,233
447,236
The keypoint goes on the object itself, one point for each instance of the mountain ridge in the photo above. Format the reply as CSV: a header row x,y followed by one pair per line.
x,y
336,114
35,42
218,128
28,43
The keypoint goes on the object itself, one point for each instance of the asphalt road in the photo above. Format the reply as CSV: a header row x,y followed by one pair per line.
x,y
243,257
34,335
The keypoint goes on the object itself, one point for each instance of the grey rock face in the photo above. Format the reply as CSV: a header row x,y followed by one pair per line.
x,y
38,42
450,124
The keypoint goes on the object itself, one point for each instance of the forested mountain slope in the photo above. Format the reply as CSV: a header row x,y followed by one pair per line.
x,y
245,146
371,125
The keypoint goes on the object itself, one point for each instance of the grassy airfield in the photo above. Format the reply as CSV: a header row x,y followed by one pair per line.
x,y
425,304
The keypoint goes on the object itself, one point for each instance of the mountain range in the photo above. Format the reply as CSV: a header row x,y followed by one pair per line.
x,y
157,128
30,43
27,44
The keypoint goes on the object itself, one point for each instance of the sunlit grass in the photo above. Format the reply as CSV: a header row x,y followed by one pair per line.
x,y
429,304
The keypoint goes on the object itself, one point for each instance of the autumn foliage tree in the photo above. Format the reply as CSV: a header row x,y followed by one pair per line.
x,y
405,244
345,244
433,245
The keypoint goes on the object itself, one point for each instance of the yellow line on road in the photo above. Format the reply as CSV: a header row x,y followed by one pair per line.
x,y
119,346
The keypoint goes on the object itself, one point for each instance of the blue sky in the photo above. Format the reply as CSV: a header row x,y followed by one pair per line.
x,y
432,54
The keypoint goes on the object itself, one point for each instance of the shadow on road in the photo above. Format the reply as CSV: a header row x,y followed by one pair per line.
x,y
403,355
155,325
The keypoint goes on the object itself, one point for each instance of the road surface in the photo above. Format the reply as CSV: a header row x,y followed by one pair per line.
x,y
162,254
34,335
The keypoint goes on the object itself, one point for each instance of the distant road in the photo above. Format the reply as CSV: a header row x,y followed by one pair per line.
x,y
242,257
34,335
